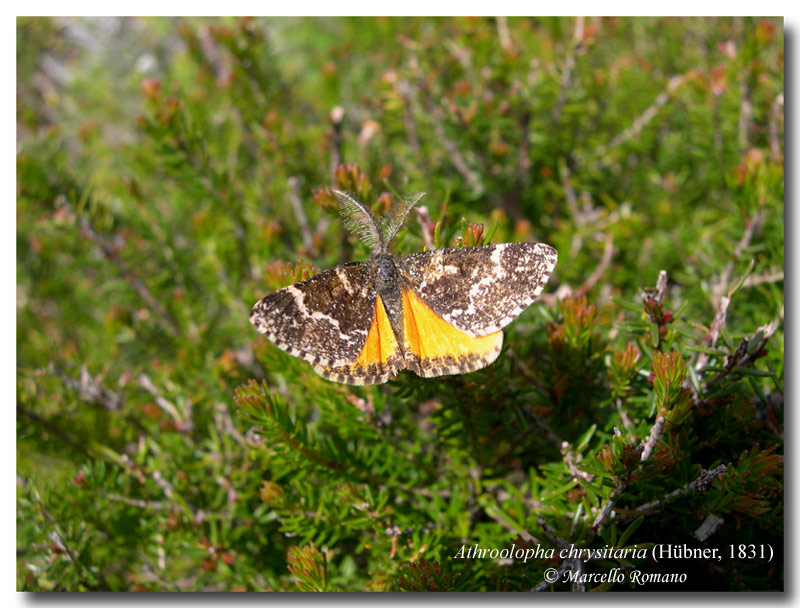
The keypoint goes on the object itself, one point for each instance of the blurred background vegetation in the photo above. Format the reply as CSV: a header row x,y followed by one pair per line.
x,y
172,171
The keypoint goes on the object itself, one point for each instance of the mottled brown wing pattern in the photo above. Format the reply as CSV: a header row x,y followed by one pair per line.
x,y
480,290
380,358
323,320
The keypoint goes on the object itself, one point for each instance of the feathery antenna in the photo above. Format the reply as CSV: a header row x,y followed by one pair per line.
x,y
394,218
377,234
358,220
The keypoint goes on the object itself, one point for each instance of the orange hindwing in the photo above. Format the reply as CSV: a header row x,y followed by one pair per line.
x,y
379,359
433,347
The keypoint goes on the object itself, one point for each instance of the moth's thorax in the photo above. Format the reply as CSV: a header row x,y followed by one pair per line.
x,y
386,272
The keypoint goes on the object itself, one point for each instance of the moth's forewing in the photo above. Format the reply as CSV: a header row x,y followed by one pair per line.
x,y
480,290
323,320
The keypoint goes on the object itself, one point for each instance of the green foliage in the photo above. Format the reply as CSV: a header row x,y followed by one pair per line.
x,y
310,567
173,171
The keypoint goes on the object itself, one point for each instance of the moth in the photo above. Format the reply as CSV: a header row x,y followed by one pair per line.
x,y
435,313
